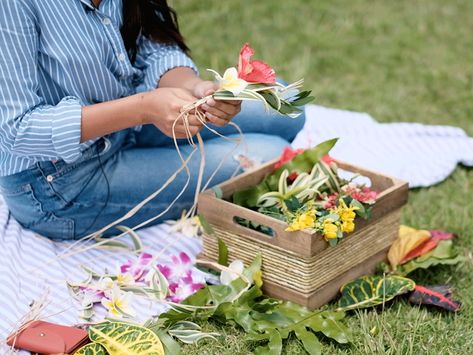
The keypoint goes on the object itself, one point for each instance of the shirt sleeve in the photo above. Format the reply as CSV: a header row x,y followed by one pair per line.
x,y
155,59
28,126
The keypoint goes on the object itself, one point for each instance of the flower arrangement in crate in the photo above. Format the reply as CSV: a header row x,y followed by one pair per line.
x,y
307,192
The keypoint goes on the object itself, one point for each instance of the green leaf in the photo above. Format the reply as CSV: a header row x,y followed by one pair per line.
x,y
222,253
122,338
309,340
205,225
293,204
171,347
189,332
330,326
275,343
303,162
135,238
361,211
251,272
369,291
91,349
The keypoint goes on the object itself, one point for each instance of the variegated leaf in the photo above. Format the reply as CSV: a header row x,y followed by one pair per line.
x,y
369,291
122,339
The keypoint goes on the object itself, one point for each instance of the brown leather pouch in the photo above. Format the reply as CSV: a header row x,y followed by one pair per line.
x,y
48,338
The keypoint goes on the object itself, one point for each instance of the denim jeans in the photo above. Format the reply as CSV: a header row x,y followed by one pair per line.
x,y
68,201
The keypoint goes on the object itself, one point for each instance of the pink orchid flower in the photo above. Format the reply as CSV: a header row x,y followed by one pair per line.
x,y
137,268
184,288
177,269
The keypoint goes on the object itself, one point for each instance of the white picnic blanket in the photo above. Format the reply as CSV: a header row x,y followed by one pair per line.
x,y
422,155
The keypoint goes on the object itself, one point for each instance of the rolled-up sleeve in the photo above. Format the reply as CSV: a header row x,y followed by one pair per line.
x,y
28,126
155,59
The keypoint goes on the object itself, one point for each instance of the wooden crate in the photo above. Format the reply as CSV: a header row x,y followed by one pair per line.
x,y
301,266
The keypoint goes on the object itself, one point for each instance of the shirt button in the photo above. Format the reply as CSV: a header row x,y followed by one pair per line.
x,y
106,21
121,57
49,178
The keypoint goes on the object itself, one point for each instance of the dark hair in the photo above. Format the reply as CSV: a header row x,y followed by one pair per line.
x,y
152,18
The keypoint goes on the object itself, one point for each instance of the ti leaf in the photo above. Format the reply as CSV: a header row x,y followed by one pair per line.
x,y
122,338
439,296
91,349
205,225
222,253
370,291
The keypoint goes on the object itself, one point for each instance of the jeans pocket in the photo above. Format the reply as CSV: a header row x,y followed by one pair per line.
x,y
29,212
53,227
22,203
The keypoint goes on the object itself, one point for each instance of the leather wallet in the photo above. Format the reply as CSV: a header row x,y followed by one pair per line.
x,y
48,338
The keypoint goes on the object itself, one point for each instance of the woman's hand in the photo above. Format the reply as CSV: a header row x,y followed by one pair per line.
x,y
217,112
163,106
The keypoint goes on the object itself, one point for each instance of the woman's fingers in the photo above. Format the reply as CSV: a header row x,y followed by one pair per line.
x,y
220,122
222,110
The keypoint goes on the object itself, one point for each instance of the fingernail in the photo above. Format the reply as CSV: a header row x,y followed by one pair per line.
x,y
209,115
205,106
211,102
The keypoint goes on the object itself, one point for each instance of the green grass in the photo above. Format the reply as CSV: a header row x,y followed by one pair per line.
x,y
397,60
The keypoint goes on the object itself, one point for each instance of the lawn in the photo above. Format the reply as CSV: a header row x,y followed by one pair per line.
x,y
399,61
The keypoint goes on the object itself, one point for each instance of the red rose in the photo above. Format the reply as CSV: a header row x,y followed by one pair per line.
x,y
254,71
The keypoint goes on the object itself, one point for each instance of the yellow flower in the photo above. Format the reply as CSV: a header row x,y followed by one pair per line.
x,y
348,226
330,229
303,221
347,214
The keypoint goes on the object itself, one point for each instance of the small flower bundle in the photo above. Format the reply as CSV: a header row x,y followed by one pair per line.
x,y
169,282
306,192
254,80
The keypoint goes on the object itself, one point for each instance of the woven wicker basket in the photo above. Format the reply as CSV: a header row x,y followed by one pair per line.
x,y
301,266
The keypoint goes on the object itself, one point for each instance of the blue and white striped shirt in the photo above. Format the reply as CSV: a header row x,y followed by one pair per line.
x,y
57,56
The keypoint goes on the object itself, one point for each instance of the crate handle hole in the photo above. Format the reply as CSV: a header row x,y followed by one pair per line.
x,y
261,228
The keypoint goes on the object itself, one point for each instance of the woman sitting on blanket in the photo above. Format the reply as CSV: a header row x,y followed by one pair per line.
x,y
90,90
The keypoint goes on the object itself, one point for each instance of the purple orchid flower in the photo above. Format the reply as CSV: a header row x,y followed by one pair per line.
x,y
137,268
184,288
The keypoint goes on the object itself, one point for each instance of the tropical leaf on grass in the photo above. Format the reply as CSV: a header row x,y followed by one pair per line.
x,y
122,339
408,239
439,296
190,332
287,317
435,238
443,254
91,349
370,291
263,319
